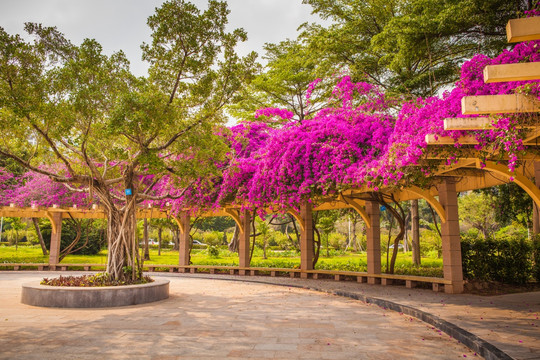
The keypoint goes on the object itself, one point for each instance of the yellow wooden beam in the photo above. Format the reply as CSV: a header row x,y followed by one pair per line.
x,y
526,184
180,224
359,209
523,29
53,223
424,194
499,104
458,165
512,72
298,218
236,217
476,123
473,123
432,139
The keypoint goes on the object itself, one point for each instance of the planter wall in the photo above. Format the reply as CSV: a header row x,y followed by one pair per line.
x,y
93,297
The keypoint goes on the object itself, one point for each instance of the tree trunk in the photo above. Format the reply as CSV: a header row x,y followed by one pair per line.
x,y
415,230
40,236
176,239
145,239
123,260
159,240
327,244
233,245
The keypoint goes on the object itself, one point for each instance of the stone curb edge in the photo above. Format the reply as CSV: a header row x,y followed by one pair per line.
x,y
473,342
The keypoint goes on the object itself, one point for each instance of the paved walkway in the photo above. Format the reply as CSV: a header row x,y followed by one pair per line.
x,y
208,318
509,322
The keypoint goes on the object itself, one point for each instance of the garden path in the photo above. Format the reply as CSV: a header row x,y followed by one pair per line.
x,y
216,319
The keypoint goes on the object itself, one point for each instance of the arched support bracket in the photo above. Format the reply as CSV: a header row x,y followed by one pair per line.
x,y
236,217
424,194
526,184
53,223
180,224
359,209
298,218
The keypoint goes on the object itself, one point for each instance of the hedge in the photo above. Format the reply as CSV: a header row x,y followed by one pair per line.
x,y
515,261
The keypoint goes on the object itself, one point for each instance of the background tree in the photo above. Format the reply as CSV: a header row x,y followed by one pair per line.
x,y
327,224
512,204
263,232
409,47
284,83
478,210
97,129
415,232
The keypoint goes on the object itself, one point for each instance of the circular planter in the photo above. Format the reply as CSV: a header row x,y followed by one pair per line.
x,y
93,297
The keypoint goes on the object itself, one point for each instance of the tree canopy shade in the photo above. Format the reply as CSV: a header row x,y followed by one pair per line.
x,y
412,46
79,117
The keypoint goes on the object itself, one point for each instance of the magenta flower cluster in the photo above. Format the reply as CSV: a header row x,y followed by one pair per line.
x,y
359,139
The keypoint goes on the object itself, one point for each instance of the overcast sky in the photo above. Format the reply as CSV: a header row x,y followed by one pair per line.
x,y
121,24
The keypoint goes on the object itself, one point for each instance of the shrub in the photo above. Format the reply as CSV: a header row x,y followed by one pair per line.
x,y
337,241
213,251
507,261
211,238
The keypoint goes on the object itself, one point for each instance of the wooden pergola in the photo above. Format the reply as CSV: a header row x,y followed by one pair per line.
x,y
467,173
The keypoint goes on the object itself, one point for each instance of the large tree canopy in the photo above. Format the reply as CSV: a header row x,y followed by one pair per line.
x,y
409,46
79,117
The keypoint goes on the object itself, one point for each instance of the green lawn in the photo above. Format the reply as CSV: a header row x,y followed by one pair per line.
x,y
347,262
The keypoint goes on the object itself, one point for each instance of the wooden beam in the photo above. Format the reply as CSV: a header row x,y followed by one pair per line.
x,y
512,72
499,104
526,184
359,209
523,29
424,194
298,218
178,222
432,139
458,165
53,223
236,217
473,123
476,123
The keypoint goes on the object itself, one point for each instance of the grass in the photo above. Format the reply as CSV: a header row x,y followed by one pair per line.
x,y
337,261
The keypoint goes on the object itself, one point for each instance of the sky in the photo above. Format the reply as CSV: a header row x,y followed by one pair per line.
x,y
121,24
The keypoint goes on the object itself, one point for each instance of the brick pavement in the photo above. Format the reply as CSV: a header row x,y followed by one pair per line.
x,y
215,319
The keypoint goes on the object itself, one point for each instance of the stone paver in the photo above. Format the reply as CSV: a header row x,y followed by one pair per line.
x,y
510,322
215,319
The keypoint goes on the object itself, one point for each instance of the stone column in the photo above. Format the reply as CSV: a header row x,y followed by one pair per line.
x,y
244,242
306,239
184,241
451,243
54,251
536,211
373,235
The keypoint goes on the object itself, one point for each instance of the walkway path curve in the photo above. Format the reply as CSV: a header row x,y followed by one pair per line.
x,y
215,319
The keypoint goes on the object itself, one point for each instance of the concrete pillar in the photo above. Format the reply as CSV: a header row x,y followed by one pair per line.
x,y
184,242
54,251
244,242
536,211
373,235
306,239
451,244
